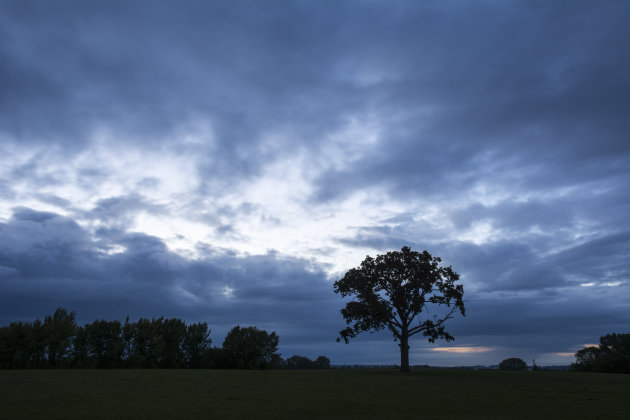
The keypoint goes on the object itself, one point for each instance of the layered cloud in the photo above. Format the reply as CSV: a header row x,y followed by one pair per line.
x,y
226,161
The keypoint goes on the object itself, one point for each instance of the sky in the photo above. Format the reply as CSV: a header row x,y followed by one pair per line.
x,y
227,161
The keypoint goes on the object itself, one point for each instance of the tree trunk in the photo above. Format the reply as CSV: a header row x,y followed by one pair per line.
x,y
404,353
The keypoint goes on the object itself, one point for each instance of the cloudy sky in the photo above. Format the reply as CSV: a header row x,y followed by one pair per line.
x,y
226,161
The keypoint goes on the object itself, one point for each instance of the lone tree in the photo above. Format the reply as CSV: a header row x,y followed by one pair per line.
x,y
392,290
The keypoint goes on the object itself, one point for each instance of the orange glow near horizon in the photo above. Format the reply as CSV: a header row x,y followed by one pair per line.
x,y
463,349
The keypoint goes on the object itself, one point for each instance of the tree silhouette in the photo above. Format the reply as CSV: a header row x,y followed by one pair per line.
x,y
59,329
104,344
251,348
392,290
300,362
513,363
322,362
612,355
172,331
196,343
23,345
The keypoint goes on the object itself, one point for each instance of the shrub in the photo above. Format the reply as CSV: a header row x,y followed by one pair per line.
x,y
513,363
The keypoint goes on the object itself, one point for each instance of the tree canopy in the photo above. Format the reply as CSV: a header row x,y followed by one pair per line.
x,y
58,342
612,355
249,347
393,290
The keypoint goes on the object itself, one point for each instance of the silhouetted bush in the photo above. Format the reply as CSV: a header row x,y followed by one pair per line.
x,y
513,363
322,362
301,362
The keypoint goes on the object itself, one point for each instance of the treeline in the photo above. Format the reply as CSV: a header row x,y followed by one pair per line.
x,y
58,342
612,355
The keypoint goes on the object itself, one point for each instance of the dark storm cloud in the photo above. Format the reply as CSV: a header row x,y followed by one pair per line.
x,y
514,265
535,94
510,113
518,215
520,265
559,323
535,99
146,69
48,260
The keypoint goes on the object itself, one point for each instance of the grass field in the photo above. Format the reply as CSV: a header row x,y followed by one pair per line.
x,y
221,394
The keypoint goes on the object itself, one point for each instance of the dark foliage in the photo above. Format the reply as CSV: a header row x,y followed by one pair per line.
x,y
392,290
513,363
23,345
612,355
301,362
59,342
251,348
195,345
103,344
217,358
59,330
322,362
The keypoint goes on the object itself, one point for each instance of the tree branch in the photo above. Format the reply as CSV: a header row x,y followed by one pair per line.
x,y
423,327
393,330
395,321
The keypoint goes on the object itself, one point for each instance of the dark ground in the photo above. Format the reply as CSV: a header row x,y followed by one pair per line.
x,y
347,393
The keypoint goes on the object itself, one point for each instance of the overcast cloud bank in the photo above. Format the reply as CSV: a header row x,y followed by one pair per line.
x,y
225,162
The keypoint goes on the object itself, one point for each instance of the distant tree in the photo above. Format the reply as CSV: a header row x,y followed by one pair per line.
x,y
586,358
80,349
251,348
127,336
105,346
196,343
37,344
612,355
143,343
513,363
23,345
277,362
300,362
172,332
322,362
217,358
146,343
6,351
162,343
534,365
59,330
392,291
